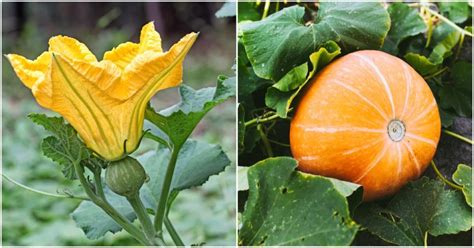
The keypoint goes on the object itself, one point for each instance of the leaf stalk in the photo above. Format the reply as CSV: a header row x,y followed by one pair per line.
x,y
446,181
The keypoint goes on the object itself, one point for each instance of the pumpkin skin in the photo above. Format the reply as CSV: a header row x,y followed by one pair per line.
x,y
367,118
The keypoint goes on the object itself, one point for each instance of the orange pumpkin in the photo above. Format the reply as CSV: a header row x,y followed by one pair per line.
x,y
368,118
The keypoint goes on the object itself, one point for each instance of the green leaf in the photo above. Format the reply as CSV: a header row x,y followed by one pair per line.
x,y
281,101
461,74
278,101
243,182
228,9
95,222
456,12
421,64
426,66
278,43
447,118
293,79
249,82
197,161
455,98
405,22
421,206
64,147
443,49
248,11
463,177
457,95
178,121
287,207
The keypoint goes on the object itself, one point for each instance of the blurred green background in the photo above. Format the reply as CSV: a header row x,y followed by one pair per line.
x,y
201,215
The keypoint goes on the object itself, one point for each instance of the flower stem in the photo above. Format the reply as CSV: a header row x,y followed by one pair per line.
x,y
455,135
162,204
143,217
102,203
43,192
173,233
446,181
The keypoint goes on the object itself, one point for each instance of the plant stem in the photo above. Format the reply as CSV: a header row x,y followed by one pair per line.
x,y
143,217
102,203
430,27
266,143
449,22
43,192
425,241
278,143
436,73
455,135
458,50
266,7
161,209
98,184
173,233
446,181
261,120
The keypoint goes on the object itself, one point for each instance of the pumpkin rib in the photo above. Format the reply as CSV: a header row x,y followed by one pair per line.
x,y
425,112
373,164
356,149
408,79
413,157
353,90
339,129
420,138
399,164
383,80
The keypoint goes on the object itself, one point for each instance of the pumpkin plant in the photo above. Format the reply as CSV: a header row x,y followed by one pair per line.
x,y
343,108
104,105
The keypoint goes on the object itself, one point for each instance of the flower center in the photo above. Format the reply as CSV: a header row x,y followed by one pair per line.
x,y
396,130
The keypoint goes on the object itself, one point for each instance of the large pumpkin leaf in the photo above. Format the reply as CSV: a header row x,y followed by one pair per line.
x,y
248,81
463,177
197,161
280,42
287,207
423,206
405,22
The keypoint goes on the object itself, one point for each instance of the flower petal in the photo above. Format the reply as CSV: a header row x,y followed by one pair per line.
x,y
122,55
151,72
89,110
70,48
29,71
35,75
150,40
125,53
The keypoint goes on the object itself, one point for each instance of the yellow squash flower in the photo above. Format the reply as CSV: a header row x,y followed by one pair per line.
x,y
104,101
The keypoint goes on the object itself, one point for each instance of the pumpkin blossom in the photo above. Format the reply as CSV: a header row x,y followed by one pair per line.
x,y
104,101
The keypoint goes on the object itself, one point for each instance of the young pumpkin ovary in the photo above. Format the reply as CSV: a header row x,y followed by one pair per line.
x,y
125,177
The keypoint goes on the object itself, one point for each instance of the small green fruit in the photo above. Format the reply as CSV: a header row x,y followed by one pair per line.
x,y
125,177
